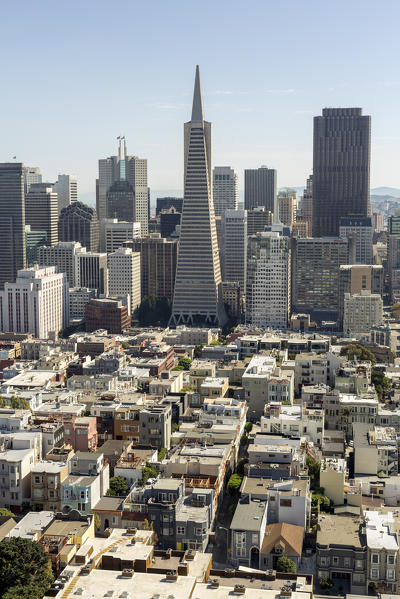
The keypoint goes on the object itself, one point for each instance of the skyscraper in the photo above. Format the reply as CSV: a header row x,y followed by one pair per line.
x,y
124,168
307,205
64,256
12,221
121,201
41,210
260,188
360,228
234,247
287,206
225,189
66,188
79,222
198,289
124,275
32,175
341,165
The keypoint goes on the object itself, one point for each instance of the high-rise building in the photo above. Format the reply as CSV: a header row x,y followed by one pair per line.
x,y
66,188
307,205
393,256
234,247
78,298
260,188
198,290
158,258
378,222
36,303
341,167
121,201
258,219
93,271
268,280
225,189
131,169
106,313
124,275
12,221
79,222
31,175
354,278
360,228
170,219
114,233
64,256
315,274
169,202
361,312
287,206
33,241
41,210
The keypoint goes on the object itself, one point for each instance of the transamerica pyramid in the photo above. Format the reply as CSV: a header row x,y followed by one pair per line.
x,y
198,288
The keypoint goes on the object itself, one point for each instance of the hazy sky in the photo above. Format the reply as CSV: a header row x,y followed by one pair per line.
x,y
75,75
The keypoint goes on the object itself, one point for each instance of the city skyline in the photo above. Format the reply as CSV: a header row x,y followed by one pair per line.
x,y
272,89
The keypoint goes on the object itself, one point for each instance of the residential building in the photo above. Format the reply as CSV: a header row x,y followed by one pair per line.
x,y
81,433
281,539
293,421
247,532
66,188
79,222
12,222
63,255
268,280
92,270
234,247
198,289
225,189
41,210
383,551
361,312
332,478
124,275
38,302
260,188
360,228
375,450
341,168
108,313
311,369
113,233
255,378
155,426
46,479
88,480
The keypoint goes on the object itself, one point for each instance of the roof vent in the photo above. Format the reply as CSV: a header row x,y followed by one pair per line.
x,y
240,589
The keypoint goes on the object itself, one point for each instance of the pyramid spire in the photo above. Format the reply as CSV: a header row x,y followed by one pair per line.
x,y
197,109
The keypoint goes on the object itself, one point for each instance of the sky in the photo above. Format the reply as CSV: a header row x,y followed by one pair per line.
x,y
75,75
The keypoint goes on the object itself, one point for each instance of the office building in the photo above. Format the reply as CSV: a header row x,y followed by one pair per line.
x,y
170,219
307,205
393,256
107,314
66,188
225,189
158,258
354,278
12,221
315,274
258,219
33,241
378,222
113,233
361,312
31,175
36,303
78,298
41,210
131,170
124,275
260,188
360,228
121,201
64,256
300,228
234,247
287,206
167,203
341,167
268,280
92,270
198,291
79,222
232,298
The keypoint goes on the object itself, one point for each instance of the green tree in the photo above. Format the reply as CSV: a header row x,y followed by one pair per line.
x,y
241,465
233,485
5,512
313,470
244,440
162,453
25,571
381,383
175,427
148,472
355,351
198,350
248,427
285,564
326,583
96,520
185,362
118,487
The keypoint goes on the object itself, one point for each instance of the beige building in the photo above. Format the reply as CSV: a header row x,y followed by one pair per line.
x,y
214,387
124,275
287,205
46,479
361,312
332,478
199,371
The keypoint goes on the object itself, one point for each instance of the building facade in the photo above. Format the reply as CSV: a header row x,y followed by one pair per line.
x,y
360,228
78,222
234,247
225,189
66,188
41,210
12,221
124,275
260,188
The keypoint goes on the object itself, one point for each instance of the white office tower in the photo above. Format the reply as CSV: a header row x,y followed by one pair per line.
x,y
113,233
66,188
362,311
93,271
64,256
234,247
36,303
225,189
268,280
131,169
124,275
32,174
198,286
361,230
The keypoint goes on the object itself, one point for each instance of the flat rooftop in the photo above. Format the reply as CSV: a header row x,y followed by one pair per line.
x,y
340,530
63,528
248,515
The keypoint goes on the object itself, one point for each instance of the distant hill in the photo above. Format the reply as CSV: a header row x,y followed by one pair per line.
x,y
392,192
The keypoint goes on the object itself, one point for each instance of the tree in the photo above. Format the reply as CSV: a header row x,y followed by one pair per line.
x,y
25,571
248,427
198,350
148,472
381,382
241,465
175,427
244,440
118,487
96,520
355,351
162,453
5,512
153,311
185,363
313,470
233,485
326,583
285,564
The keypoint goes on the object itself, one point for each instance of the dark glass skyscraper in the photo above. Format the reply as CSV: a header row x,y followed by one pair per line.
x,y
260,188
341,165
12,221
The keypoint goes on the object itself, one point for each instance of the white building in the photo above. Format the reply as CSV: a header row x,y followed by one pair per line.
x,y
361,312
361,230
268,280
234,247
255,380
124,275
92,270
113,233
38,302
225,189
78,298
66,187
64,256
293,421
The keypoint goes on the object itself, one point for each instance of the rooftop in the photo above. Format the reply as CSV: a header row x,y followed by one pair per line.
x,y
248,515
340,530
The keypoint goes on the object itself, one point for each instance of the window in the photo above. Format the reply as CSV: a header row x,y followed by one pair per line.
x,y
375,558
324,561
37,479
346,562
285,503
359,564
335,561
180,530
391,559
374,572
390,574
254,539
